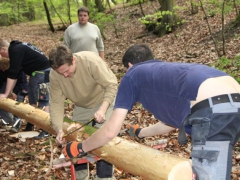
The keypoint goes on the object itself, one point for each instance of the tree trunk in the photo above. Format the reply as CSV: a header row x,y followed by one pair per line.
x,y
60,17
69,12
132,157
99,5
48,16
169,19
194,7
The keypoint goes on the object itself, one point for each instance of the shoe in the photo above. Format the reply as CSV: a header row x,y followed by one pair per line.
x,y
16,126
29,127
5,123
13,130
43,134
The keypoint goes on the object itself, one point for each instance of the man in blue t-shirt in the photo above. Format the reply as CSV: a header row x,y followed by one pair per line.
x,y
193,97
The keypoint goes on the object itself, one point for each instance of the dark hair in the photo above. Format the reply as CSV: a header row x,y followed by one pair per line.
x,y
83,9
137,53
59,56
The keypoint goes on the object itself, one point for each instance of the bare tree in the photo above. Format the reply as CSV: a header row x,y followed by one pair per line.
x,y
69,11
60,17
223,29
194,7
99,5
169,19
209,28
48,16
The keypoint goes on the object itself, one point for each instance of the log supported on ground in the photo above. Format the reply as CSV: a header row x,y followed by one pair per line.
x,y
132,157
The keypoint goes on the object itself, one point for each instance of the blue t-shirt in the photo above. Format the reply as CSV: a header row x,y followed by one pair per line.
x,y
163,88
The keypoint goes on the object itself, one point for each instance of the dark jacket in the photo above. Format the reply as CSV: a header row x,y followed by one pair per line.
x,y
26,57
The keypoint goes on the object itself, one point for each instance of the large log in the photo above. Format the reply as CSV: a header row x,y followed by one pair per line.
x,y
132,157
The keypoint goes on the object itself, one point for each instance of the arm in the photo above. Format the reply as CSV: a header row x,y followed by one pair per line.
x,y
156,129
100,114
107,132
9,87
104,77
66,39
101,54
99,44
56,106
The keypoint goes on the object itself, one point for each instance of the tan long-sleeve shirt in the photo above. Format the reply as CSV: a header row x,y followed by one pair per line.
x,y
92,83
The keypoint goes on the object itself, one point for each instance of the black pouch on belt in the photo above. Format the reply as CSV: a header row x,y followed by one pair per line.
x,y
200,130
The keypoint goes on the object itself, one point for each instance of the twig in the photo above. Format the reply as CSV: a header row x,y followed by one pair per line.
x,y
209,28
51,159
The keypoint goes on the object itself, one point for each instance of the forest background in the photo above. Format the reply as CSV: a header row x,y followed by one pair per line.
x,y
205,31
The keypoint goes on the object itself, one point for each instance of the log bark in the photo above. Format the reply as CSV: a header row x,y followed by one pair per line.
x,y
137,159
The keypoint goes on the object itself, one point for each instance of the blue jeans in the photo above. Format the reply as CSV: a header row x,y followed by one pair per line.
x,y
6,116
34,81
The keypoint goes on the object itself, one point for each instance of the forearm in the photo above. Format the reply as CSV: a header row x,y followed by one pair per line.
x,y
101,54
156,129
57,115
10,85
106,132
104,106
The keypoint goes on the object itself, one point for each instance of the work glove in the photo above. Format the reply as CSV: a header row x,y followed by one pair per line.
x,y
134,130
73,149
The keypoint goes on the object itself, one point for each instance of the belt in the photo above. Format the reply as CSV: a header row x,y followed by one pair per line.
x,y
35,72
40,72
215,100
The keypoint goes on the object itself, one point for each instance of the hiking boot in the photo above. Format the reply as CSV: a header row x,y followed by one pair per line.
x,y
29,127
43,134
16,126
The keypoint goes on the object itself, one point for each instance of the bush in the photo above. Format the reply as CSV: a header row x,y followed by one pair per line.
x,y
230,66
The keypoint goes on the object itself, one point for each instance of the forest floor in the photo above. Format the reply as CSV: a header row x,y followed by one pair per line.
x,y
191,42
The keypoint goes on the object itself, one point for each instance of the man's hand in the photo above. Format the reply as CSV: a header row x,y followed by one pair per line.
x,y
59,138
3,96
73,149
134,130
100,116
13,96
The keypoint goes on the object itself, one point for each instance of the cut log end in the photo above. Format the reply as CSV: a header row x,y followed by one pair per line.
x,y
181,171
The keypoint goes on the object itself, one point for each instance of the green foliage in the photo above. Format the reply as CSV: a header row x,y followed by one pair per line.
x,y
101,19
61,39
214,7
135,2
155,19
14,11
230,66
67,101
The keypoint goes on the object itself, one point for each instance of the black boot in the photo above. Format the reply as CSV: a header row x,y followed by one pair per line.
x,y
4,123
16,126
43,134
29,127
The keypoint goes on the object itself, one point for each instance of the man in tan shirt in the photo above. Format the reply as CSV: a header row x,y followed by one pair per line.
x,y
85,79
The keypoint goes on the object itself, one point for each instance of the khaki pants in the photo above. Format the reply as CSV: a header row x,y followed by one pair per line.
x,y
82,115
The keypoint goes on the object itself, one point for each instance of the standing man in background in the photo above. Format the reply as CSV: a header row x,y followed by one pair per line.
x,y
83,35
